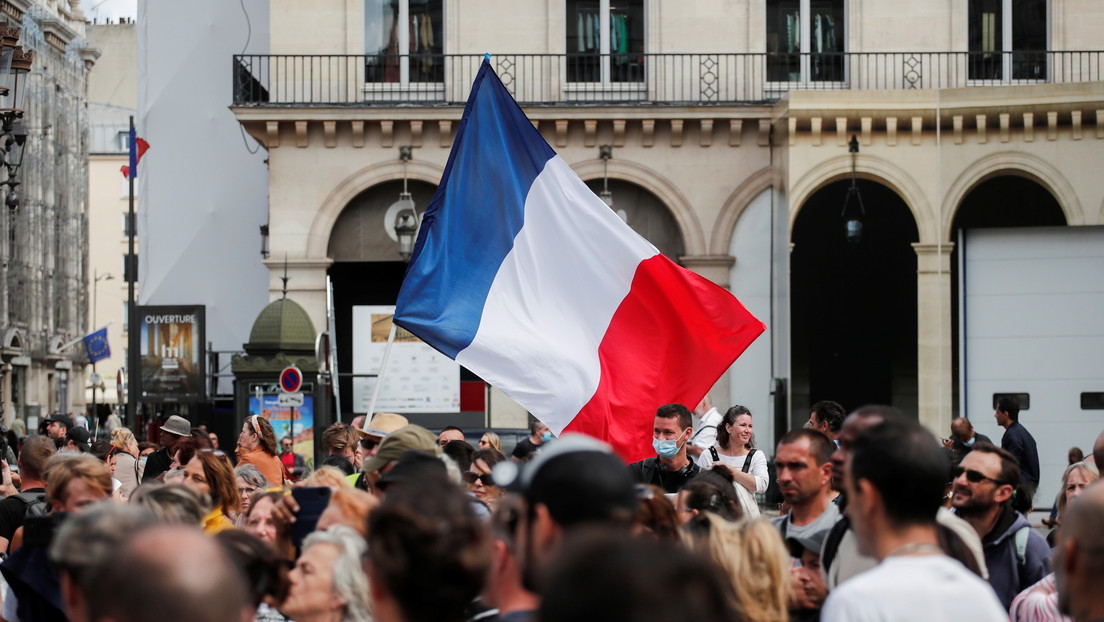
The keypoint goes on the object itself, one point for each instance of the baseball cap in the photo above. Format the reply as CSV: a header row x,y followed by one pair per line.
x,y
383,424
812,541
177,425
80,437
60,418
399,442
413,466
577,477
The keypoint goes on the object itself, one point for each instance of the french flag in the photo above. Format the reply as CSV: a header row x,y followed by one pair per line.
x,y
526,277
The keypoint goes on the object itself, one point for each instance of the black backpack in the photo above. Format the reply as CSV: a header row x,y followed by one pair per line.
x,y
34,503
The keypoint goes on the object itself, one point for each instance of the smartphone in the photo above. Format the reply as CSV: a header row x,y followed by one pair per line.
x,y
312,502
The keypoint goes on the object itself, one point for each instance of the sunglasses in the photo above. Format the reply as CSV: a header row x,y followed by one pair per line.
x,y
471,478
973,476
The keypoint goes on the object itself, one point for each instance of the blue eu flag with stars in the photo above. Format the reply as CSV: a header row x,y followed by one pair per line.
x,y
97,346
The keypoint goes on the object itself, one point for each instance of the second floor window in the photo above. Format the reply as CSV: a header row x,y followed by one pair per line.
x,y
605,41
805,40
404,41
1008,38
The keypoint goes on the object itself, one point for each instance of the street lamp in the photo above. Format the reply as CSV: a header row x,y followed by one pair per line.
x,y
406,219
15,64
853,224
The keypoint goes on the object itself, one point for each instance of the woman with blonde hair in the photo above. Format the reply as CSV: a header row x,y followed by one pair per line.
x,y
490,440
754,559
128,470
257,446
1040,601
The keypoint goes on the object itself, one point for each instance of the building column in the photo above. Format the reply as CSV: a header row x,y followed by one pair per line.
x,y
716,268
935,376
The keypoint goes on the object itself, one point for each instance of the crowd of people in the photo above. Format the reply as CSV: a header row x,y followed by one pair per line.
x,y
877,520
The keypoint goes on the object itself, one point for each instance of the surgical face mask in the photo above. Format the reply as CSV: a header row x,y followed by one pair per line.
x,y
971,441
547,436
666,449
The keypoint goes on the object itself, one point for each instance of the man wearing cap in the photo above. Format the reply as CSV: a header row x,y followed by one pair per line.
x,y
371,436
894,483
57,425
806,578
174,429
669,469
577,481
76,441
397,443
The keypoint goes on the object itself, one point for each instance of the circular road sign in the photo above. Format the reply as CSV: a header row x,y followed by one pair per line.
x,y
291,379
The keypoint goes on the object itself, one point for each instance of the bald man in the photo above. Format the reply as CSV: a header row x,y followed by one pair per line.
x,y
167,573
1079,557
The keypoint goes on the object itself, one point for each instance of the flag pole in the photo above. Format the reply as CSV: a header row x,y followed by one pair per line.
x,y
133,371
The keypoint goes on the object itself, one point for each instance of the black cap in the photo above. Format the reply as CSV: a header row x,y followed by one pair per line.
x,y
578,478
80,437
60,418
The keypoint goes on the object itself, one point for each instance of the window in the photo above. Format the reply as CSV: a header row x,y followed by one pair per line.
x,y
410,54
605,42
1008,38
805,40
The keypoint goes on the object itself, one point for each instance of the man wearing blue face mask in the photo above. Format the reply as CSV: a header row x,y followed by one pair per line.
x,y
669,469
539,434
962,439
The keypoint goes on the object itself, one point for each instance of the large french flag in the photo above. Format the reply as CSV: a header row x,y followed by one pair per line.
x,y
527,278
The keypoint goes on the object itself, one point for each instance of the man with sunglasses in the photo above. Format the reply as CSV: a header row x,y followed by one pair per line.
x,y
984,484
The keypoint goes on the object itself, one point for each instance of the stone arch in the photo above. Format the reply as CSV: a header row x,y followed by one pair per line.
x,y
734,206
1010,163
666,191
875,169
319,237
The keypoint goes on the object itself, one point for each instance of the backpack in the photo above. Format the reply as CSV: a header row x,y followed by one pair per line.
x,y
747,461
34,503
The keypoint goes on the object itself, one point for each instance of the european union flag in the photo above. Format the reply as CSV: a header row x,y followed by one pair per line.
x,y
96,345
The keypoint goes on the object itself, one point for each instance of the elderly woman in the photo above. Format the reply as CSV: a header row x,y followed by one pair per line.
x,y
328,582
128,470
1040,601
257,446
210,473
249,480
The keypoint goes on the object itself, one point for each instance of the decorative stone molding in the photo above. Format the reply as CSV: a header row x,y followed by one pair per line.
x,y
716,268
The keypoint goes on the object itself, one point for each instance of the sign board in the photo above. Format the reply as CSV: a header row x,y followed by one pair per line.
x,y
289,399
291,379
418,379
172,348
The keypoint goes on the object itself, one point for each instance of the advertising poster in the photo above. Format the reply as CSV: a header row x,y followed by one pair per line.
x,y
173,352
418,379
296,422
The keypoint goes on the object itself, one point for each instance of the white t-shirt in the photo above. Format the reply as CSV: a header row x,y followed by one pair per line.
x,y
706,434
758,467
920,588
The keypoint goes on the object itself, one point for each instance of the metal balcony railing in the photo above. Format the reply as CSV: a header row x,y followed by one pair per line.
x,y
623,79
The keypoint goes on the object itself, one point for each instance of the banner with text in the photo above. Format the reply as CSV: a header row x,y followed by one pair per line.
x,y
418,379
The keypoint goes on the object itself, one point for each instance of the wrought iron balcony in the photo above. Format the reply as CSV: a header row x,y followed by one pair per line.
x,y
634,79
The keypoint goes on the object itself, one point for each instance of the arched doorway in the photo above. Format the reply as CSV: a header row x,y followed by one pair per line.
x,y
367,268
1002,201
853,305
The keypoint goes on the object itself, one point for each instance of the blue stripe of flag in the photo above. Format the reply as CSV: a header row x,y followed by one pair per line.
x,y
473,218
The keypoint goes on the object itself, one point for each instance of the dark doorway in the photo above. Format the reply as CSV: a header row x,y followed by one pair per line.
x,y
1004,201
853,305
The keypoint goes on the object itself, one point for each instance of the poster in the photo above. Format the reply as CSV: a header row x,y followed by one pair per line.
x,y
172,348
418,378
297,422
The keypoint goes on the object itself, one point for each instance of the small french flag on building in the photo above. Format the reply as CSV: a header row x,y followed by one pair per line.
x,y
527,278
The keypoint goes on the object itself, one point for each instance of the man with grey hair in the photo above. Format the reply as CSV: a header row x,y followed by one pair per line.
x,y
1079,557
167,573
83,541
